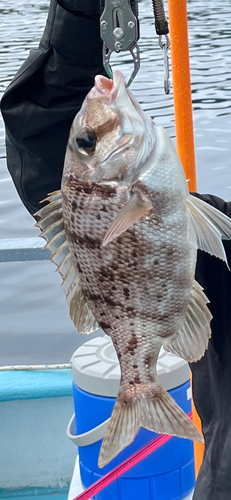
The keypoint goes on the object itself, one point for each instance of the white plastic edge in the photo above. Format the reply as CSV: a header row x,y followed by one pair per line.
x,y
89,437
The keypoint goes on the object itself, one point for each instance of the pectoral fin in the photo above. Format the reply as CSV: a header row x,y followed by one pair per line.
x,y
191,341
207,227
51,224
128,215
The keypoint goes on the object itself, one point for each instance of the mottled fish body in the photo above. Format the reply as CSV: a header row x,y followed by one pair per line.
x,y
124,234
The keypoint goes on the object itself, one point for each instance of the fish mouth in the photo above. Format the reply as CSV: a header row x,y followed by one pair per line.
x,y
106,90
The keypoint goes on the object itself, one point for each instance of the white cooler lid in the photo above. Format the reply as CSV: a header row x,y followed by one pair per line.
x,y
96,369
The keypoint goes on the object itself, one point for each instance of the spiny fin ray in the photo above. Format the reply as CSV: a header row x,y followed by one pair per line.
x,y
50,219
51,224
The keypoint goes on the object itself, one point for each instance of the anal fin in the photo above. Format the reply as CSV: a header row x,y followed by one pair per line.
x,y
191,341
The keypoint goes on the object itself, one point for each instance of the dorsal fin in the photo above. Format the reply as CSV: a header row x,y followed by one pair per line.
x,y
51,224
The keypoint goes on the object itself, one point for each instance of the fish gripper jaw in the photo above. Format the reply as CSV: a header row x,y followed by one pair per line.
x,y
119,30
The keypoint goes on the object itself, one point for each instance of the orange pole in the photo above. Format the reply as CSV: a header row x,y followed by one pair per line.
x,y
182,88
198,447
184,123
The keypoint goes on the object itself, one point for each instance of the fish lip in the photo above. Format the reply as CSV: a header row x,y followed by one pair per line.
x,y
118,81
106,90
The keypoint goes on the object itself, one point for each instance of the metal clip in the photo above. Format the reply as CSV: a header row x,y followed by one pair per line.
x,y
135,52
119,30
165,46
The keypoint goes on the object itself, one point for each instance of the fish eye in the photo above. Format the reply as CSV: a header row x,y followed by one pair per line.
x,y
85,142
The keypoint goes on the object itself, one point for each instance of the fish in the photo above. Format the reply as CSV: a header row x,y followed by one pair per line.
x,y
124,232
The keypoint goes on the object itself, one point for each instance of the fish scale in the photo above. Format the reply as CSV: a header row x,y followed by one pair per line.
x,y
124,232
96,231
144,301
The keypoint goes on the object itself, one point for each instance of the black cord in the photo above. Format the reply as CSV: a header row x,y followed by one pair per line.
x,y
161,23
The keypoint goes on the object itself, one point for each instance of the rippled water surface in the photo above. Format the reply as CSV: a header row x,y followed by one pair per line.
x,y
34,324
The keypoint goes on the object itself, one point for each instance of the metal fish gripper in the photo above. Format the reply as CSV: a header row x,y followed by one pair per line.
x,y
119,30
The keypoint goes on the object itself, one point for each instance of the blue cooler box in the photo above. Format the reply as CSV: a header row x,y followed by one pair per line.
x,y
167,473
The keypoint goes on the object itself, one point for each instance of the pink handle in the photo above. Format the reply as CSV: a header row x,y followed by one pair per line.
x,y
126,465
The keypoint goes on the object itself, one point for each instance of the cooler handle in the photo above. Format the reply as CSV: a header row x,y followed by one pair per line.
x,y
88,437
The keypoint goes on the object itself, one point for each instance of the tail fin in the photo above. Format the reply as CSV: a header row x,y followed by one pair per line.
x,y
157,412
